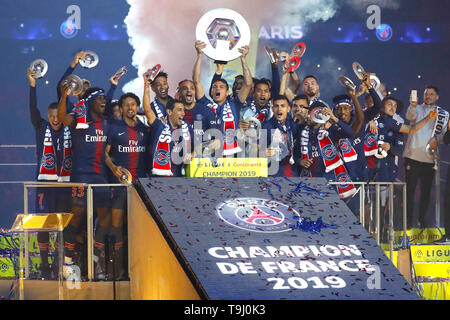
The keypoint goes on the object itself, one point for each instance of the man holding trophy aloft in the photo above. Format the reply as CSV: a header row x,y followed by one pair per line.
x,y
421,151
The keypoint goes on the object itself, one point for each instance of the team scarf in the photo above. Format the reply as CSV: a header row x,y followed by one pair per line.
x,y
371,141
331,160
228,129
348,152
161,152
261,114
48,169
80,109
159,108
183,140
283,133
441,121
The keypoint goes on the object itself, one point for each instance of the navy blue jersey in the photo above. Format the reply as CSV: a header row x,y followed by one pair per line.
x,y
89,146
129,146
283,137
358,169
317,169
176,145
40,126
201,112
389,131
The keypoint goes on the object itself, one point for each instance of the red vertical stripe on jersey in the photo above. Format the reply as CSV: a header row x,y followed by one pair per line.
x,y
98,147
134,156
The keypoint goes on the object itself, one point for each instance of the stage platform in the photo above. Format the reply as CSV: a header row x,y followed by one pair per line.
x,y
236,239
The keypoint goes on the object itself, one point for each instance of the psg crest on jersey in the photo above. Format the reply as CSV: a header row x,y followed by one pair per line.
x,y
258,215
48,161
67,164
162,157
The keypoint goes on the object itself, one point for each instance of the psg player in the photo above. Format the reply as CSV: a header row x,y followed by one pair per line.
x,y
127,145
88,167
171,137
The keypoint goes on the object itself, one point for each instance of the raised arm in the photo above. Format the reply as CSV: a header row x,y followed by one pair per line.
x,y
418,125
217,75
151,117
65,118
356,125
79,55
248,80
34,111
199,91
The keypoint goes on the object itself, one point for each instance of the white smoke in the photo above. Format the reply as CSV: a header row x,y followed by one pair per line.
x,y
361,5
164,31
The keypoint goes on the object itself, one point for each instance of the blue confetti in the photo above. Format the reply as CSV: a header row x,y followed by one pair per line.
x,y
305,224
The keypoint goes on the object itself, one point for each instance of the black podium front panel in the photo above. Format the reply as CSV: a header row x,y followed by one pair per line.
x,y
248,239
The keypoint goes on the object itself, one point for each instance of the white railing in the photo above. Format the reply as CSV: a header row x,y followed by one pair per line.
x,y
89,215
362,208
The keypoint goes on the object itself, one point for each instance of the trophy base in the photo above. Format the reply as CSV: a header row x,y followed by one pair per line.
x,y
220,62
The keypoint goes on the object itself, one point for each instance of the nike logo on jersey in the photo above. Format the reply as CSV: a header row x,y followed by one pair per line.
x,y
121,133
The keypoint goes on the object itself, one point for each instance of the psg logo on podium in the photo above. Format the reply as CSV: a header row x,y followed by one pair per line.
x,y
258,215
384,32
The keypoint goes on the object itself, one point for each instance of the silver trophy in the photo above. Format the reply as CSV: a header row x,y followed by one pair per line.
x,y
151,74
90,60
253,130
346,82
274,55
359,72
40,68
224,31
126,177
381,153
121,72
74,83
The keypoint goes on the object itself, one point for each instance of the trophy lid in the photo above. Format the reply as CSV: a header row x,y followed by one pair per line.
x,y
40,67
151,74
293,64
75,84
224,31
346,82
299,49
358,70
91,60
